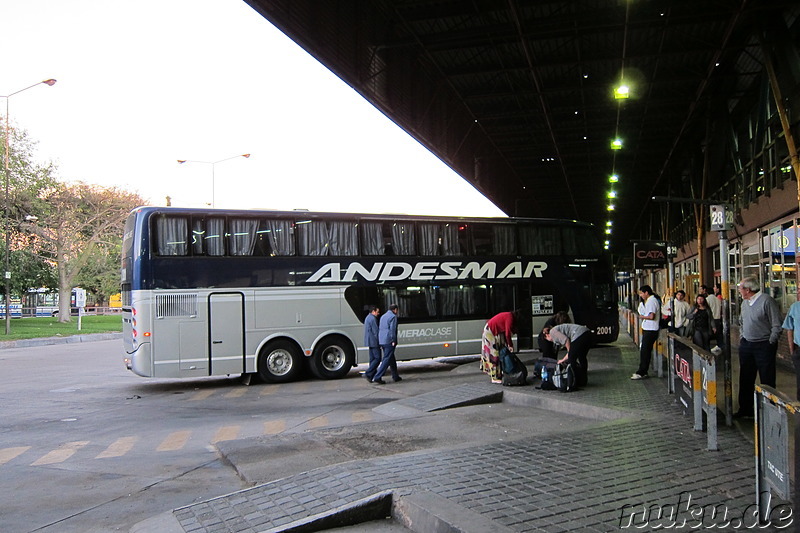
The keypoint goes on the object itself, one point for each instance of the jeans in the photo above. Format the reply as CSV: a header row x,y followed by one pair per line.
x,y
388,362
649,338
755,358
374,361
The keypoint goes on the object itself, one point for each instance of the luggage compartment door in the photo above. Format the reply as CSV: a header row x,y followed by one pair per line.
x,y
226,333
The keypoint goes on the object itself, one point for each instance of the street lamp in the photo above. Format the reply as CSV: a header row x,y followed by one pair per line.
x,y
49,82
213,164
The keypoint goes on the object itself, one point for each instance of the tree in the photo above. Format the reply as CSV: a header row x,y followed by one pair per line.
x,y
76,226
100,276
25,178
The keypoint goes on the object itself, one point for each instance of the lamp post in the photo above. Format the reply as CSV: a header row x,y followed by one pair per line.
x,y
49,82
213,164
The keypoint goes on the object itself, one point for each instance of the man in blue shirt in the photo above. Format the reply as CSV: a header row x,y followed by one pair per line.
x,y
387,336
792,326
371,341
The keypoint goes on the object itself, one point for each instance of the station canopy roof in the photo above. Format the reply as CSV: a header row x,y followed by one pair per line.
x,y
518,96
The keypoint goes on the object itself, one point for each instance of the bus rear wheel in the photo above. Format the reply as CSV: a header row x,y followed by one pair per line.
x,y
279,362
333,358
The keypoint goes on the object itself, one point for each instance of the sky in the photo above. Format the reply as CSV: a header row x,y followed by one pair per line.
x,y
143,84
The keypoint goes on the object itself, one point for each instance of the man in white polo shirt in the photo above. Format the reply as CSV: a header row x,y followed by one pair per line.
x,y
649,314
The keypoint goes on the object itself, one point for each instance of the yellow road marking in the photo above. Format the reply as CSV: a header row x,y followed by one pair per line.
x,y
362,416
6,454
202,395
269,388
60,454
318,422
174,441
273,427
226,433
118,448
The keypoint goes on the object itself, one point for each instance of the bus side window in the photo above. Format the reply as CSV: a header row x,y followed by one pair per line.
x,y
462,300
198,234
214,241
403,240
464,241
278,236
171,236
312,237
481,239
504,240
502,298
430,238
569,241
540,240
371,238
343,237
242,237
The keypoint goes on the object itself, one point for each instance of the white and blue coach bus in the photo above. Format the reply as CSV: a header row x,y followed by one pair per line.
x,y
221,292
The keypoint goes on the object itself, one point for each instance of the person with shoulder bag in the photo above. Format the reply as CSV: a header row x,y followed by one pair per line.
x,y
497,334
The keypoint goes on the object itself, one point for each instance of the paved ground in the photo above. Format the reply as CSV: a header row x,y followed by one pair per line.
x,y
621,449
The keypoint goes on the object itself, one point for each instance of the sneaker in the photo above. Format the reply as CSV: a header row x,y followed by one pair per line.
x,y
639,376
378,382
398,378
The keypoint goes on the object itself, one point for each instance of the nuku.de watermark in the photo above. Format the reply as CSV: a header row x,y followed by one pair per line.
x,y
686,515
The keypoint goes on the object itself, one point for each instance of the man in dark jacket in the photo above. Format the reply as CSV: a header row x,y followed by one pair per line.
x,y
387,337
371,341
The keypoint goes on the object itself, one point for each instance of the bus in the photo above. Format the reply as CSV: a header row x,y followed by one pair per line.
x,y
43,302
209,292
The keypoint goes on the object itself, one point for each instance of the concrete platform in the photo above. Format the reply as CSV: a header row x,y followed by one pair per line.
x,y
625,448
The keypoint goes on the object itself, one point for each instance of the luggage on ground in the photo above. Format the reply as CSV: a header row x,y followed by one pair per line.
x,y
514,371
564,378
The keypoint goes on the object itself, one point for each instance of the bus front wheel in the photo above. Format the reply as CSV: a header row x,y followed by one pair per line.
x,y
279,362
333,358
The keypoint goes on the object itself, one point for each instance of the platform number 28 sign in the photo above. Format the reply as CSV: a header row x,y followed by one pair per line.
x,y
721,218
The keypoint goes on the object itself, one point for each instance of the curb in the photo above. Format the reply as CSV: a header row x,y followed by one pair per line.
x,y
47,341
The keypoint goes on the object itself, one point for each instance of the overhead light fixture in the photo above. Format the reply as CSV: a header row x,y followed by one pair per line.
x,y
613,178
612,194
622,92
616,144
608,223
610,207
608,231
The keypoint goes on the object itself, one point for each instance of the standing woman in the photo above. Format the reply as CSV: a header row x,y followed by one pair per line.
x,y
496,334
703,321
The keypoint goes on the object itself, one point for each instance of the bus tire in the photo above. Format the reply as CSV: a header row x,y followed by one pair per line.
x,y
332,358
279,362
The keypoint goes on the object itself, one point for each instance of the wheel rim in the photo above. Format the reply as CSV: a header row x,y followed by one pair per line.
x,y
279,362
333,358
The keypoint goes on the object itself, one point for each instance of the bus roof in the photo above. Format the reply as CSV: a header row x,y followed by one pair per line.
x,y
270,213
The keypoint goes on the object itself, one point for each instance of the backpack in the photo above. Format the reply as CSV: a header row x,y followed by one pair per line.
x,y
564,378
514,371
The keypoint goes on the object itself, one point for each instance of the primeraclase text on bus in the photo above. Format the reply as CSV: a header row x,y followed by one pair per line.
x,y
271,293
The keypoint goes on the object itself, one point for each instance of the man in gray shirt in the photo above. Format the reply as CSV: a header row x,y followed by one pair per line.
x,y
760,322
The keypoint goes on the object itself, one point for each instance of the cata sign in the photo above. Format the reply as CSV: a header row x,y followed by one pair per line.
x,y
649,254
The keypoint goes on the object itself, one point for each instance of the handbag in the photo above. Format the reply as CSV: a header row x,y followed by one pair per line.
x,y
564,378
